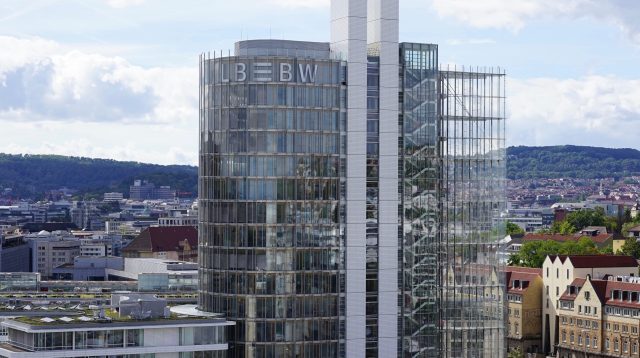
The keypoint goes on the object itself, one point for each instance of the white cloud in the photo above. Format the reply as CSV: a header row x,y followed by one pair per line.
x,y
172,144
594,110
470,41
119,4
301,3
42,81
514,14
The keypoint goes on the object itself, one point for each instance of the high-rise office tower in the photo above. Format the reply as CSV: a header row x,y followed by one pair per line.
x,y
350,195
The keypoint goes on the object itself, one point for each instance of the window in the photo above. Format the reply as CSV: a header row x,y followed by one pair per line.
x,y
587,295
579,339
587,341
564,336
557,273
625,346
567,274
571,336
616,345
606,343
547,289
595,310
634,347
517,326
557,291
547,276
595,342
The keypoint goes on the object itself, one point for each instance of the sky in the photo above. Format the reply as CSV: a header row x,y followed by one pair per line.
x,y
118,78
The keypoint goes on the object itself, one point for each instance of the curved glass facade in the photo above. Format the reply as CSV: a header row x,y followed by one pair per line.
x,y
271,232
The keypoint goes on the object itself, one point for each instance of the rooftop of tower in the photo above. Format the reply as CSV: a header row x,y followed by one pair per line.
x,y
288,48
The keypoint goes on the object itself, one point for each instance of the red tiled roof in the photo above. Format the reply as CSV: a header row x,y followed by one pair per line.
x,y
604,289
586,261
578,282
545,237
524,269
527,274
167,238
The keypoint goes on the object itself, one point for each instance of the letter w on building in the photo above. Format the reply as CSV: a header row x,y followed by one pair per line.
x,y
306,73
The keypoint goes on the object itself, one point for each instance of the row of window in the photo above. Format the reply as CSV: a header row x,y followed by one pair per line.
x,y
324,213
240,95
272,119
248,236
265,309
275,259
272,166
275,142
271,189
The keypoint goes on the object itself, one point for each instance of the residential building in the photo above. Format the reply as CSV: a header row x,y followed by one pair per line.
x,y
169,242
524,308
135,326
333,181
634,232
600,318
560,271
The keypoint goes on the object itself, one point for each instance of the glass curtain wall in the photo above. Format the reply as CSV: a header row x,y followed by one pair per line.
x,y
419,166
472,197
272,190
453,178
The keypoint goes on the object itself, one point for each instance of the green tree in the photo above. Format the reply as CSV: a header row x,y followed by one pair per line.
x,y
515,353
607,250
583,218
513,229
533,253
562,227
514,260
631,247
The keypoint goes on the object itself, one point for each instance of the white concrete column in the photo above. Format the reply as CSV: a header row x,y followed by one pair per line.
x,y
382,37
348,40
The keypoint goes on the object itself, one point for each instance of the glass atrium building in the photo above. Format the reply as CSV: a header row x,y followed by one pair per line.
x,y
350,195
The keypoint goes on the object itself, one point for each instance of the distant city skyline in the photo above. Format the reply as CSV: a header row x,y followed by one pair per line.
x,y
116,78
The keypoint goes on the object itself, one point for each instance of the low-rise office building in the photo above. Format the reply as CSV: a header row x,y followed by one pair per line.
x,y
135,326
155,275
50,250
